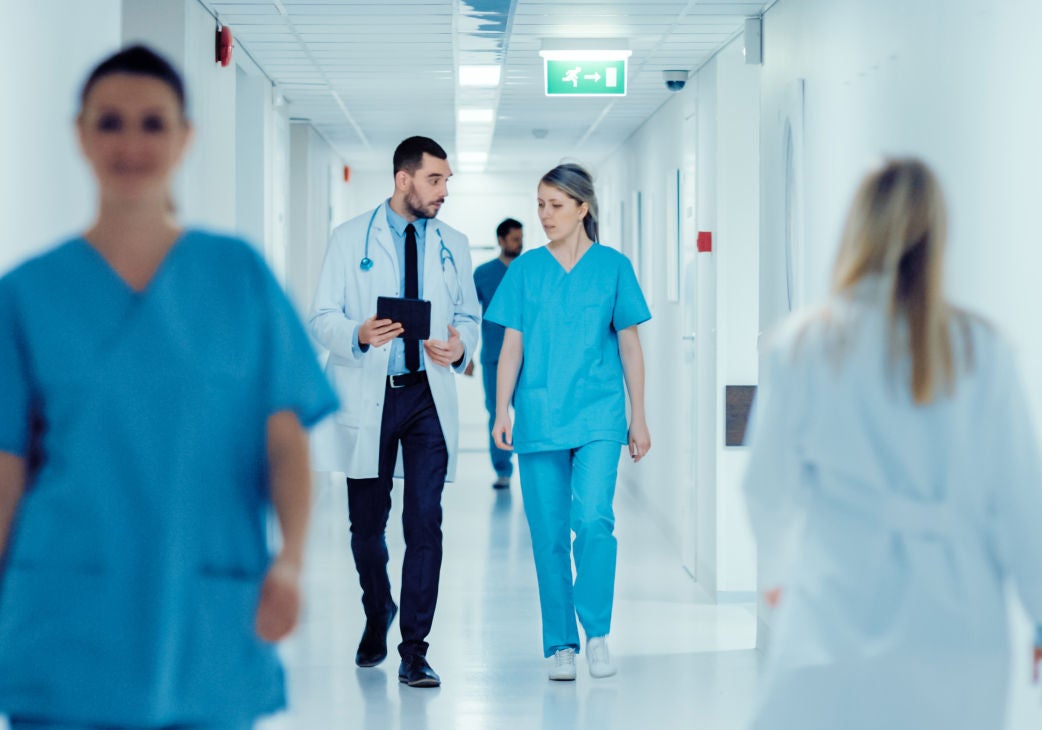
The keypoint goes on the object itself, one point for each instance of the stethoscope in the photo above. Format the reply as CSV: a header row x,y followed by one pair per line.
x,y
450,274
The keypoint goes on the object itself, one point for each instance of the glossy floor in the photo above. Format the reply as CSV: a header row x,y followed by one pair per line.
x,y
683,662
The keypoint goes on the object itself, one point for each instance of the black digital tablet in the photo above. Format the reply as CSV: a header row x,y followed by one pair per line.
x,y
413,314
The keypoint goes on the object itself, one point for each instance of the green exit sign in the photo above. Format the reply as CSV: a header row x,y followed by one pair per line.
x,y
585,78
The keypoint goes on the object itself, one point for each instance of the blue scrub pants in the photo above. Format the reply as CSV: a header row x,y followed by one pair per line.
x,y
500,458
572,491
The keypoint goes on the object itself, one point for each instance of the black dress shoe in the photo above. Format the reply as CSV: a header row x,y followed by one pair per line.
x,y
416,672
372,649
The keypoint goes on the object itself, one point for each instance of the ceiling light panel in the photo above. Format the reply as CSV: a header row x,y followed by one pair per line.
x,y
479,75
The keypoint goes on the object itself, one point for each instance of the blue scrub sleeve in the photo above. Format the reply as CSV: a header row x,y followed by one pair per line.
x,y
15,383
507,306
630,306
294,379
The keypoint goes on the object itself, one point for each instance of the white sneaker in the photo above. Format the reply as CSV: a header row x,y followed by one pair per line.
x,y
562,665
598,658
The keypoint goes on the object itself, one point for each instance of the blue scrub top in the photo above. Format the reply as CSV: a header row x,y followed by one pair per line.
x,y
487,278
136,559
570,390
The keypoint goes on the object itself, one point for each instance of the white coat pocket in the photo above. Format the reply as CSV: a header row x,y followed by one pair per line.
x,y
349,385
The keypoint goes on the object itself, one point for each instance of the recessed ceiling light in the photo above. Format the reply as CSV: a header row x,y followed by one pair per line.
x,y
479,116
585,49
473,158
479,75
593,55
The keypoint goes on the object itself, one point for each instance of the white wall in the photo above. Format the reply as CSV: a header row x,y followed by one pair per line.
x,y
710,133
253,179
957,88
737,316
645,165
316,189
954,87
204,190
953,83
46,190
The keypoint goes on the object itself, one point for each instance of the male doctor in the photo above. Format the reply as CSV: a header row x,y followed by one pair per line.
x,y
393,391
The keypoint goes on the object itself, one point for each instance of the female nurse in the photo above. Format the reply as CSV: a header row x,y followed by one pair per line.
x,y
156,384
894,486
571,310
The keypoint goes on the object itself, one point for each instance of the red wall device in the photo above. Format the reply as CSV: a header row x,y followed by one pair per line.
x,y
224,45
705,241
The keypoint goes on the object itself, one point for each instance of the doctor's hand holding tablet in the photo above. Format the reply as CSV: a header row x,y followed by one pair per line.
x,y
410,319
378,332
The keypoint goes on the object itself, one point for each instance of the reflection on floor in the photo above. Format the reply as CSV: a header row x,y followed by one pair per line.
x,y
683,662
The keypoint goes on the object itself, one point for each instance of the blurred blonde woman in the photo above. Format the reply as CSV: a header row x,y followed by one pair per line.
x,y
894,485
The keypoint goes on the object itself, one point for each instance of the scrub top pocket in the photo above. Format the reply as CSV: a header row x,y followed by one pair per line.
x,y
534,415
54,609
227,660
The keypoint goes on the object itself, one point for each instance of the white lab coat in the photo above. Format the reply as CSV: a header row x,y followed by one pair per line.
x,y
892,529
349,441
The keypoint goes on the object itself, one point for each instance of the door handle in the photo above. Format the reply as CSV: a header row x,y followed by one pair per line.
x,y
690,337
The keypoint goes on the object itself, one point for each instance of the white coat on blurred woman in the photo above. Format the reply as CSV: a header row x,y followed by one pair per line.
x,y
894,486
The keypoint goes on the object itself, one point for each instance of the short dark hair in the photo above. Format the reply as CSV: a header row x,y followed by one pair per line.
x,y
408,155
506,227
139,60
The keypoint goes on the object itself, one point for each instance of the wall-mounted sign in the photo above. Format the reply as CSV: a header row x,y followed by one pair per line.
x,y
585,77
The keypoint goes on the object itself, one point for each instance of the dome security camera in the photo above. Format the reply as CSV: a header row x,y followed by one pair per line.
x,y
675,79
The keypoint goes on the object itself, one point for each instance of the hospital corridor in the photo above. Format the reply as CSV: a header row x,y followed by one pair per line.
x,y
703,668
520,365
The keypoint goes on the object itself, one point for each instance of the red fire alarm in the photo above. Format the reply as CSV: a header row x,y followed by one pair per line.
x,y
347,173
224,45
705,241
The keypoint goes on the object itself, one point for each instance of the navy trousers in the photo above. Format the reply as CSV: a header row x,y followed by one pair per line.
x,y
410,419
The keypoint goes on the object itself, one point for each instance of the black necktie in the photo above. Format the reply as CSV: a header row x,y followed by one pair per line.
x,y
412,291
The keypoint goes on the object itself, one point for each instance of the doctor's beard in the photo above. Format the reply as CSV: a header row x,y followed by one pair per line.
x,y
418,209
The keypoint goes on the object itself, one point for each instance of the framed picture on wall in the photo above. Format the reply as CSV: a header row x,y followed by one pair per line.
x,y
621,236
792,146
673,226
637,238
649,233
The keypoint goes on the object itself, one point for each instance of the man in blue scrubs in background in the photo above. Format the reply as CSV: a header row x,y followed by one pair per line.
x,y
486,281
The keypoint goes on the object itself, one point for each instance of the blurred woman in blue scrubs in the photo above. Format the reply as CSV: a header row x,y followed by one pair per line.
x,y
894,487
571,310
156,384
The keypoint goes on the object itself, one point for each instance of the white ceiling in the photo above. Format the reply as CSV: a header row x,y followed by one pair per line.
x,y
369,74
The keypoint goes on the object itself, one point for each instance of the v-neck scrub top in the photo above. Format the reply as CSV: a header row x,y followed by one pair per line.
x,y
570,390
138,550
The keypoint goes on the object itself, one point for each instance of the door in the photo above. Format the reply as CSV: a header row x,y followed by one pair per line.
x,y
688,375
